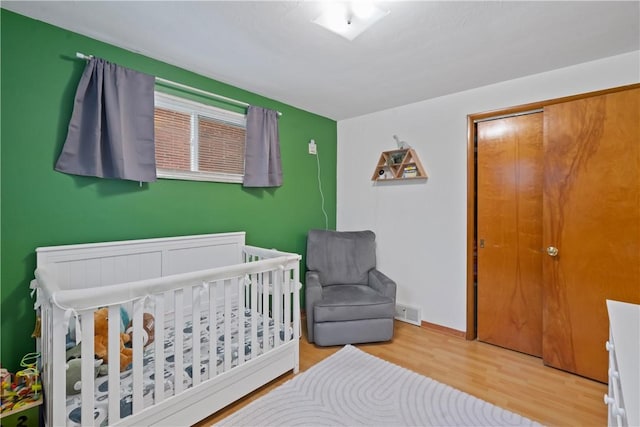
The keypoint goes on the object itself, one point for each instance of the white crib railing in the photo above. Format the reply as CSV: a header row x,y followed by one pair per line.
x,y
266,285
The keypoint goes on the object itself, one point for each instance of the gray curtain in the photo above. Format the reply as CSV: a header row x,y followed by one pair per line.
x,y
262,164
111,131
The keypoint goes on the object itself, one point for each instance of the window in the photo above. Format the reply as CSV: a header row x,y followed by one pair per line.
x,y
196,141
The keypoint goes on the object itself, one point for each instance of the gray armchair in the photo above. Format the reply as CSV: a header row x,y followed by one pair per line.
x,y
348,301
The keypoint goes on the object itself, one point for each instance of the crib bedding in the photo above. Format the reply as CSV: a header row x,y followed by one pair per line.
x,y
126,377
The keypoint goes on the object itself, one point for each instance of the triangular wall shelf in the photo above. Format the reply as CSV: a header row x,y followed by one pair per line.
x,y
399,164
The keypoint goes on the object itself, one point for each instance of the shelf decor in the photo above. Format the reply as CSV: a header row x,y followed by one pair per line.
x,y
399,164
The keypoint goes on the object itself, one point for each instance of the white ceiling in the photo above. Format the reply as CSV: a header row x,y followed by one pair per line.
x,y
420,50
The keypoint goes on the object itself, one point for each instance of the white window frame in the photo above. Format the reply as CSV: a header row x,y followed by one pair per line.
x,y
195,109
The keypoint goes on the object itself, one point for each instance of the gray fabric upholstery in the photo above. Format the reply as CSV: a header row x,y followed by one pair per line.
x,y
353,332
348,300
352,302
341,256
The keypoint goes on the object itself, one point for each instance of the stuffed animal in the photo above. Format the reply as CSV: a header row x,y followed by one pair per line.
x,y
74,377
148,329
74,369
100,339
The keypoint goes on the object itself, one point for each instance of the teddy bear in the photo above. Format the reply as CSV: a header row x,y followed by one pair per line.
x,y
100,339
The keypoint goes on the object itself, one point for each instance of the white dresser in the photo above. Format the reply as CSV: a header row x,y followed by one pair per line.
x,y
623,396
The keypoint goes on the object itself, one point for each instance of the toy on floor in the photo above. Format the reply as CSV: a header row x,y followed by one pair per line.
x,y
25,387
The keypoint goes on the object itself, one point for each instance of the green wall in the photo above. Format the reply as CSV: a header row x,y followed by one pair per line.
x,y
41,207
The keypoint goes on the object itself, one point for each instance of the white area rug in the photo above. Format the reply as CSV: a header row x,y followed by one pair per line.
x,y
353,388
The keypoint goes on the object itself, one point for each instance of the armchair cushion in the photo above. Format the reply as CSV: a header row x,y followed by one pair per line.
x,y
352,302
341,257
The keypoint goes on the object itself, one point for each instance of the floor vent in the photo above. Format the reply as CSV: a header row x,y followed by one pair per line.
x,y
408,314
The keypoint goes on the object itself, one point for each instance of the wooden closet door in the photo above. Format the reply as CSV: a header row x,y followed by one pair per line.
x,y
509,232
591,214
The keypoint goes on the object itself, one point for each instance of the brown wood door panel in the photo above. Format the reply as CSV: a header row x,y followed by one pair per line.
x,y
510,225
591,213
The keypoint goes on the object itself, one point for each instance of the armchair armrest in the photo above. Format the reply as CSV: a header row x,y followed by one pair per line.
x,y
383,284
313,294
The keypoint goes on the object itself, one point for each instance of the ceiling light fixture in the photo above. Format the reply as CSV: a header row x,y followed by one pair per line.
x,y
350,19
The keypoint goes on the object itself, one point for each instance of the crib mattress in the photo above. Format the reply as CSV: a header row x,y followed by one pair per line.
x,y
126,378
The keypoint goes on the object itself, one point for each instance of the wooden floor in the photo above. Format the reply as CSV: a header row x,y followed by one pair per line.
x,y
511,380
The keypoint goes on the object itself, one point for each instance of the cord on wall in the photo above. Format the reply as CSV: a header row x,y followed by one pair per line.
x,y
326,218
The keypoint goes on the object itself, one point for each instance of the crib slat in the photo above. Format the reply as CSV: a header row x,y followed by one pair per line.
x,y
287,304
227,325
159,348
178,349
277,306
254,316
265,311
86,376
113,367
138,362
213,330
247,290
296,314
258,277
195,335
239,283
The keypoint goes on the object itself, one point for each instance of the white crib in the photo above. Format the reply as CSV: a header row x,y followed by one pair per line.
x,y
212,278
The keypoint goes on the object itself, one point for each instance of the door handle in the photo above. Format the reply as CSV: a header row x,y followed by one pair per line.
x,y
552,251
